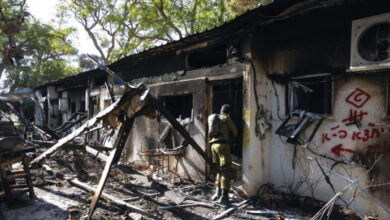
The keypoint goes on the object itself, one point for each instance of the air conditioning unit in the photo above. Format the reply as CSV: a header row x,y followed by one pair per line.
x,y
370,43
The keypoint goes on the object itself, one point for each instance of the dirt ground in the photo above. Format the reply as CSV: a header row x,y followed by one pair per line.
x,y
158,195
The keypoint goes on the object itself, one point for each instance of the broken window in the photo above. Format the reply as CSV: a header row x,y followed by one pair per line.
x,y
180,105
311,94
73,107
309,97
295,123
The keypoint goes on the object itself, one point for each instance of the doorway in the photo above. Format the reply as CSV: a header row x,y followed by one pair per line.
x,y
230,92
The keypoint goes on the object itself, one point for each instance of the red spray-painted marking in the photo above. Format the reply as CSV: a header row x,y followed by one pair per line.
x,y
358,98
339,148
355,115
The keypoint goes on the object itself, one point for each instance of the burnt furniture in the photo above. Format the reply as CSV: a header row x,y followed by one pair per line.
x,y
9,176
13,150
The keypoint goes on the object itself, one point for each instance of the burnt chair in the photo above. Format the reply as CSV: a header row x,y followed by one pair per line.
x,y
13,150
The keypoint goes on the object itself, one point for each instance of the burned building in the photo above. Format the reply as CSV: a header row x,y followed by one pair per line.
x,y
309,86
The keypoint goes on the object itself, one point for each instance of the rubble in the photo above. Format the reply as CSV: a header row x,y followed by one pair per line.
x,y
131,198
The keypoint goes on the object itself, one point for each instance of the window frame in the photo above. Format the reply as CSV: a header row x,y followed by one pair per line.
x,y
161,118
290,97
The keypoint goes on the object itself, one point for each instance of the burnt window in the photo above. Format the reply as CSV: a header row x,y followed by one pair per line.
x,y
206,57
179,105
311,94
73,107
44,92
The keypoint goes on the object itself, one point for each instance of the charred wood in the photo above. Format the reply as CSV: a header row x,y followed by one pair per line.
x,y
232,209
111,198
90,123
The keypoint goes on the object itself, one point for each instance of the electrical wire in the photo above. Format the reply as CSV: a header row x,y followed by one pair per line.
x,y
277,100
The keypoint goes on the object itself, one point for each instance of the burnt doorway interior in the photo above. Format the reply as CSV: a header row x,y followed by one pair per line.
x,y
230,92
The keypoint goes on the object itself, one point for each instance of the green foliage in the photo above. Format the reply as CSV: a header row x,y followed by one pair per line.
x,y
121,27
239,7
40,49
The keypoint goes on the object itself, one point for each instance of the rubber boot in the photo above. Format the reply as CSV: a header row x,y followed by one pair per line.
x,y
224,199
217,194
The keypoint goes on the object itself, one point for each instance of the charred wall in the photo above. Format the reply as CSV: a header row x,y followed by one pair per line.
x,y
193,83
308,46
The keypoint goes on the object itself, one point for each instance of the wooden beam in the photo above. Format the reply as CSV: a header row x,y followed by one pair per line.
x,y
111,198
119,144
87,125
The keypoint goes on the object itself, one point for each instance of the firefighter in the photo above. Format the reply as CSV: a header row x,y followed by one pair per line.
x,y
221,153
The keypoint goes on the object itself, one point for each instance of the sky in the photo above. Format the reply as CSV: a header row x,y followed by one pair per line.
x,y
45,11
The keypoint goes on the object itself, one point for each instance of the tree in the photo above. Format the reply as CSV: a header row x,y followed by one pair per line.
x,y
32,53
12,15
239,7
119,28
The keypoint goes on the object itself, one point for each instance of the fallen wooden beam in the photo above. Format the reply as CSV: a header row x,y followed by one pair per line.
x,y
198,199
191,204
69,121
90,123
46,131
230,210
179,128
51,143
97,154
111,198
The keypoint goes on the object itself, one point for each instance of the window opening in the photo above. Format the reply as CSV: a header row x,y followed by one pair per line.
x,y
309,97
72,107
206,57
311,94
181,106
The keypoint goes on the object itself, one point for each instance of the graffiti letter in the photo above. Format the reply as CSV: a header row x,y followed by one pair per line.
x,y
366,135
375,132
325,138
356,134
342,134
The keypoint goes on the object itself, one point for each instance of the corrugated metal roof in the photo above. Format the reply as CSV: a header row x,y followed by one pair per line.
x,y
247,21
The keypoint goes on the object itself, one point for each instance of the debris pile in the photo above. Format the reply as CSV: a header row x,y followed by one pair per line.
x,y
70,178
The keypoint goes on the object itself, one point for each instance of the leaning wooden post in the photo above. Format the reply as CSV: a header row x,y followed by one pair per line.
x,y
175,124
119,144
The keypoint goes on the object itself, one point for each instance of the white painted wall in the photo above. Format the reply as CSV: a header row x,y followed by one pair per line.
x,y
255,158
